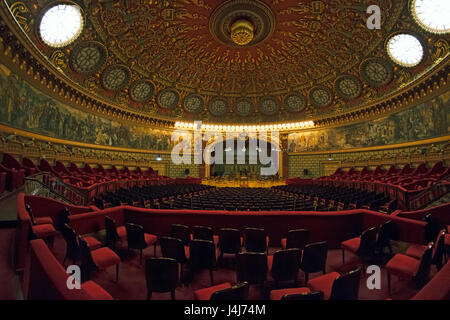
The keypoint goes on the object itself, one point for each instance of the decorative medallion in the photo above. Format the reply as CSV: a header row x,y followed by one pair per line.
x,y
243,107
168,98
377,72
116,77
88,57
295,102
218,107
193,103
348,87
142,91
242,23
320,96
268,106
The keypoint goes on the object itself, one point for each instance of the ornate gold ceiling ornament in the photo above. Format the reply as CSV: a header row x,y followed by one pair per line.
x,y
242,23
242,32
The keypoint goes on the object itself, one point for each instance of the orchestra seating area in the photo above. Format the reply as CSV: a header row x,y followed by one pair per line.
x,y
239,255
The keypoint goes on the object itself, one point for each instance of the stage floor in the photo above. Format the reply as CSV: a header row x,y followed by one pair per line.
x,y
222,183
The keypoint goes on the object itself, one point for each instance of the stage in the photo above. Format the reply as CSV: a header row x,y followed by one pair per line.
x,y
243,182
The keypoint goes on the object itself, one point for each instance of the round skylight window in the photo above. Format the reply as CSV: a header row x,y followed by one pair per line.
x,y
61,25
405,50
432,15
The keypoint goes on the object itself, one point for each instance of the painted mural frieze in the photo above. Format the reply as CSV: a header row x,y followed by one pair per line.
x,y
23,107
427,120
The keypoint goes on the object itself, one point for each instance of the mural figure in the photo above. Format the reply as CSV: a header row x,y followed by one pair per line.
x,y
23,107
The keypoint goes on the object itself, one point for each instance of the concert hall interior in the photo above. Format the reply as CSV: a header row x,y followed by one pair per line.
x,y
224,150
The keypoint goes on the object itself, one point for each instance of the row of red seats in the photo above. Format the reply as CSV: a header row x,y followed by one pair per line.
x,y
408,178
12,173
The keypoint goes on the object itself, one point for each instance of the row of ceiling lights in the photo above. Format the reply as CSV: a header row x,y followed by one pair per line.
x,y
244,128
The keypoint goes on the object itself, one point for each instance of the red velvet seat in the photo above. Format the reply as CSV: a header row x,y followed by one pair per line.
x,y
337,287
92,243
284,265
204,233
73,244
205,294
98,259
37,220
138,239
295,239
104,258
323,283
278,294
363,246
95,291
43,220
416,250
122,232
44,231
407,267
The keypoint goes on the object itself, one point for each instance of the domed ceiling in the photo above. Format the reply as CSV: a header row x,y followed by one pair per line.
x,y
237,61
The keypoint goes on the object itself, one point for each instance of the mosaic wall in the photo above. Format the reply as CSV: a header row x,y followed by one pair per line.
x,y
23,107
427,120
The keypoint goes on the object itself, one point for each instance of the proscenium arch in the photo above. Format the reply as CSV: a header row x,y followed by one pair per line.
x,y
268,143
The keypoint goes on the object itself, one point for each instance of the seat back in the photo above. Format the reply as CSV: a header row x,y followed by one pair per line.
x,y
297,239
251,267
202,254
30,213
314,295
161,274
367,244
431,229
285,264
346,287
229,240
172,248
203,233
181,232
87,262
111,231
385,234
438,251
423,271
71,239
236,292
255,240
63,217
314,257
135,236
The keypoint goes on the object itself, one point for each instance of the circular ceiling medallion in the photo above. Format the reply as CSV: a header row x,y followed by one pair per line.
x,y
377,72
348,87
142,91
243,107
242,23
218,107
193,103
405,50
320,96
268,106
168,98
88,57
294,102
115,77
432,15
61,24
